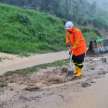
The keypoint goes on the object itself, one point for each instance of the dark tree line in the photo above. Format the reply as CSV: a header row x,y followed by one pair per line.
x,y
80,11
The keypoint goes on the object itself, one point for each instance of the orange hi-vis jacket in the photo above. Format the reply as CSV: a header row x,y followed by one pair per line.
x,y
75,39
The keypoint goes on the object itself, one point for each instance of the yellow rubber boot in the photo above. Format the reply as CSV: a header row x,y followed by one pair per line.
x,y
78,72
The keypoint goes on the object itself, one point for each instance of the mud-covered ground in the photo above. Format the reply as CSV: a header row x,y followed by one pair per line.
x,y
48,89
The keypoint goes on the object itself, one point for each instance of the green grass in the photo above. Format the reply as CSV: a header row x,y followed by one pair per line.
x,y
25,31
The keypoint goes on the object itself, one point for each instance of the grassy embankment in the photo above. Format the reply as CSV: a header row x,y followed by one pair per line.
x,y
25,31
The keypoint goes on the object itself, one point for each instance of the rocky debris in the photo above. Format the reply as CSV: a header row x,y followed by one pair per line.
x,y
88,82
85,84
102,73
3,84
50,77
64,70
32,88
104,60
55,80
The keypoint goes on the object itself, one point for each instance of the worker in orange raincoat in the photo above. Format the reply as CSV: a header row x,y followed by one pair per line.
x,y
76,45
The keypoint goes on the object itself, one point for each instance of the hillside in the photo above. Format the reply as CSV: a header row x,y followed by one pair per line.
x,y
25,31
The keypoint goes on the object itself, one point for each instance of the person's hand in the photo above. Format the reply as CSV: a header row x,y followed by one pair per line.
x,y
68,45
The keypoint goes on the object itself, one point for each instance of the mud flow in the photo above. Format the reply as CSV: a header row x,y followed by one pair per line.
x,y
37,80
93,67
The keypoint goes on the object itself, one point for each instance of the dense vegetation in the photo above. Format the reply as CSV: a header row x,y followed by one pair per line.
x,y
25,31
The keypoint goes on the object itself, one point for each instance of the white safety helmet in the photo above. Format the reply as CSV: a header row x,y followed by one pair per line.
x,y
69,25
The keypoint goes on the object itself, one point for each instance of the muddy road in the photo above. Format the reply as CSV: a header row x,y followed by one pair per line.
x,y
14,62
47,89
